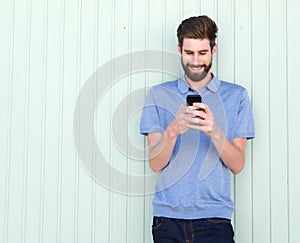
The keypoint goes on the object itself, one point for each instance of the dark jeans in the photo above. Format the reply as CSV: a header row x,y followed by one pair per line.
x,y
212,230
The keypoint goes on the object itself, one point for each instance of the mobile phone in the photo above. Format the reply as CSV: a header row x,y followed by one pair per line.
x,y
191,99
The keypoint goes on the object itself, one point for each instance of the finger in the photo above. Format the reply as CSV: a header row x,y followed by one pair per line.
x,y
182,107
193,126
190,109
202,114
198,105
193,110
199,127
206,109
182,110
198,113
194,120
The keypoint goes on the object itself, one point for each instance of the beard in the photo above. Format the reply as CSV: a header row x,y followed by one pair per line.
x,y
196,76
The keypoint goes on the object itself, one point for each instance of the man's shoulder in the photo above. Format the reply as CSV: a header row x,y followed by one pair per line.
x,y
169,84
163,89
226,86
230,85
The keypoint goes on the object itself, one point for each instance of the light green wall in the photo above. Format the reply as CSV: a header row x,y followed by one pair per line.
x,y
48,51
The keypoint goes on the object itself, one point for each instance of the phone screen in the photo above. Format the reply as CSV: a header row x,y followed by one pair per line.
x,y
191,99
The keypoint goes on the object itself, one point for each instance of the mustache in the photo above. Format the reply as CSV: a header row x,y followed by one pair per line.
x,y
196,66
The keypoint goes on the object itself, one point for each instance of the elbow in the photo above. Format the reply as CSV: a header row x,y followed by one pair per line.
x,y
237,169
154,167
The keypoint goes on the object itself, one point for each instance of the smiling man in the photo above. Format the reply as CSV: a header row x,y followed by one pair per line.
x,y
196,58
195,147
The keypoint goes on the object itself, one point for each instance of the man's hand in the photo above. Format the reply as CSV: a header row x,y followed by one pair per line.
x,y
179,125
200,117
161,145
232,154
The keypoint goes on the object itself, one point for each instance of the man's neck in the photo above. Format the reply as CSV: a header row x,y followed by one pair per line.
x,y
199,85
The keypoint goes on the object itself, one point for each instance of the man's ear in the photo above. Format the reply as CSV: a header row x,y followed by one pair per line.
x,y
214,50
179,49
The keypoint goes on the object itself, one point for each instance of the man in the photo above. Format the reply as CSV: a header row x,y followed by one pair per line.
x,y
194,147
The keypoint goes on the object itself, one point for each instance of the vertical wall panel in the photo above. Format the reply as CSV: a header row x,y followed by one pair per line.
x,y
119,201
6,48
173,10
136,167
69,89
209,8
51,180
261,105
48,51
86,194
243,76
105,39
18,120
278,123
293,35
36,101
226,42
190,8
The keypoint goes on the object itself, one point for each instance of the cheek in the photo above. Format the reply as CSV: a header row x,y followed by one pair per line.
x,y
186,59
208,60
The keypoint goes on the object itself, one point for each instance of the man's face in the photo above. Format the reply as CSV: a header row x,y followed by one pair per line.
x,y
196,58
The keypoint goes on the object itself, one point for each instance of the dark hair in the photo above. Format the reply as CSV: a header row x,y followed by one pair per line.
x,y
200,27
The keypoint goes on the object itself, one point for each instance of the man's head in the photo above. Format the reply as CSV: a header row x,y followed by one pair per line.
x,y
200,27
196,44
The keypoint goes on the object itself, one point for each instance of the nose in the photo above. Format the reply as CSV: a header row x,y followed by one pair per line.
x,y
195,59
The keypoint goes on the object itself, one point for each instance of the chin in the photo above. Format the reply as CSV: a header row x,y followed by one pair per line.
x,y
198,79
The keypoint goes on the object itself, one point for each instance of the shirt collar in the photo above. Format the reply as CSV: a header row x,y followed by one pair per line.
x,y
184,87
214,84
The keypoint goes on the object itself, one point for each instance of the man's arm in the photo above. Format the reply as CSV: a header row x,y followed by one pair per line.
x,y
161,145
232,154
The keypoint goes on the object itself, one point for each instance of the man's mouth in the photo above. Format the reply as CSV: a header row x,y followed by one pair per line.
x,y
196,67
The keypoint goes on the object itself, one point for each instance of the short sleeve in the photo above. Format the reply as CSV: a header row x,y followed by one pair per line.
x,y
245,121
150,121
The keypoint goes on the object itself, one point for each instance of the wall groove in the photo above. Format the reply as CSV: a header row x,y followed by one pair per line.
x,y
9,122
26,123
78,84
60,144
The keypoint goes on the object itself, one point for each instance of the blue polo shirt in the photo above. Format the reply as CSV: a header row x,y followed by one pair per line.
x,y
196,183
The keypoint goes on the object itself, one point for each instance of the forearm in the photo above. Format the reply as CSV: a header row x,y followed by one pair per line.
x,y
160,149
232,154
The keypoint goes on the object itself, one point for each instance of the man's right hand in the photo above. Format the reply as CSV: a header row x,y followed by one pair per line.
x,y
161,145
179,124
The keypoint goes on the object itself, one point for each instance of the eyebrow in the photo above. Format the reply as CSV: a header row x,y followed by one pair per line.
x,y
204,50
